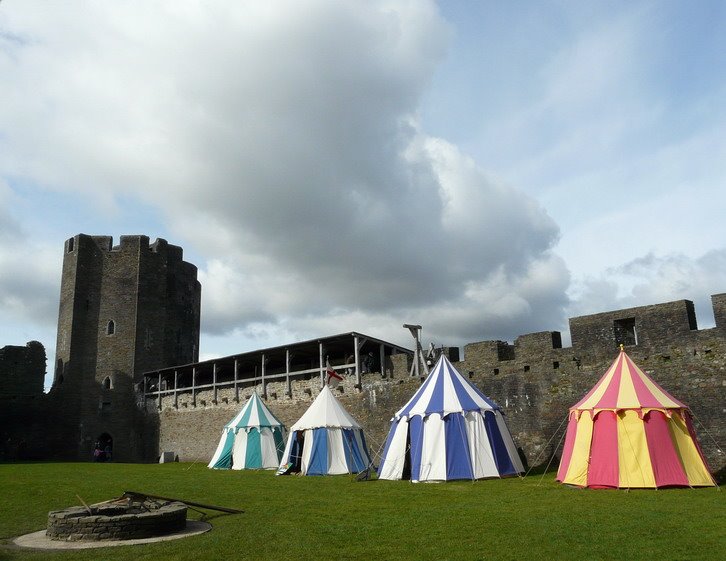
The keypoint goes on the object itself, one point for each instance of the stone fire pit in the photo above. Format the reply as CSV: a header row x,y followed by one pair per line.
x,y
120,520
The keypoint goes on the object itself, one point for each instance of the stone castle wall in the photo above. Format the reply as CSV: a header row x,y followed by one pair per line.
x,y
153,296
534,380
22,370
22,402
193,431
123,309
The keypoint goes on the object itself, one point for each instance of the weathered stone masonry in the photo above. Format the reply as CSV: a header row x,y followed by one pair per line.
x,y
123,310
535,380
22,401
116,522
134,308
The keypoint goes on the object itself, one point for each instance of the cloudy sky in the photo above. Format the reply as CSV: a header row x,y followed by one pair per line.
x,y
486,169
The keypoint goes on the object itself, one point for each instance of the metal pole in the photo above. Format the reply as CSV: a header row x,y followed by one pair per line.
x,y
288,392
176,385
264,386
357,362
322,375
158,389
236,387
214,383
194,383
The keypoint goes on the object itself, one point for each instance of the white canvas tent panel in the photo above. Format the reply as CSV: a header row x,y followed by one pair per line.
x,y
336,453
270,456
306,454
482,459
325,411
239,451
393,468
433,449
225,444
288,448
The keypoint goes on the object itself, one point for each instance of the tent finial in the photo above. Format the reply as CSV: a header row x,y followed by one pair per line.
x,y
622,348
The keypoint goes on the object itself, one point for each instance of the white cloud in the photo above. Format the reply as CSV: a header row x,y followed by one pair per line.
x,y
282,143
652,279
29,281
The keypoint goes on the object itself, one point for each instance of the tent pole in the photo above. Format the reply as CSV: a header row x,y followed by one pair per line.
x,y
176,385
288,388
158,389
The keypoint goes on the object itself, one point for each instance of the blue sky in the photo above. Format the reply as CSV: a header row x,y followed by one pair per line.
x,y
486,169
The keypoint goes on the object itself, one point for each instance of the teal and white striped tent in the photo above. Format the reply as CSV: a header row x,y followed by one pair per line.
x,y
254,439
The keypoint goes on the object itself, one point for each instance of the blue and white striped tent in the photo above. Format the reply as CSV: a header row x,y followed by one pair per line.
x,y
252,440
448,430
325,441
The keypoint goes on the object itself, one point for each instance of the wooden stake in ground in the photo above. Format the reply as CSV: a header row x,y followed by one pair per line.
x,y
134,494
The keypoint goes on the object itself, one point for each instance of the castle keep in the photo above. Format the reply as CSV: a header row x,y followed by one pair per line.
x,y
123,310
127,367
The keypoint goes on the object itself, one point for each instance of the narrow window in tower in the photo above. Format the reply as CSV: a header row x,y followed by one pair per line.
x,y
110,328
107,383
70,244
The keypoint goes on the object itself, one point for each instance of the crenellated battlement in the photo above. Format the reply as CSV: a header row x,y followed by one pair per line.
x,y
124,309
652,328
135,244
22,370
535,380
718,302
128,322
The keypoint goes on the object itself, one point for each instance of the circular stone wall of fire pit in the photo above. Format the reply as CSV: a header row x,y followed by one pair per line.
x,y
117,522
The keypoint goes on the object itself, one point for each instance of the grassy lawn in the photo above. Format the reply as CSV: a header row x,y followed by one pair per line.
x,y
321,518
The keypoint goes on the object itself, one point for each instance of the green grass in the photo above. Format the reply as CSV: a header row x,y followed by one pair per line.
x,y
319,518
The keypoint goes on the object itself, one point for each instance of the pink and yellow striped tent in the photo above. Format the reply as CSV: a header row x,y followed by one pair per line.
x,y
628,432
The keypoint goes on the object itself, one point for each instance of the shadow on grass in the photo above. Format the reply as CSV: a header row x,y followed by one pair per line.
x,y
207,517
544,467
720,476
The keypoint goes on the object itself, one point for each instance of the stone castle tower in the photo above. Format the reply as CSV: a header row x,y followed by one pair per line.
x,y
124,310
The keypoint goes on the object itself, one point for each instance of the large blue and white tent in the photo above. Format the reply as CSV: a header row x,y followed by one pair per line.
x,y
448,430
326,440
252,440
